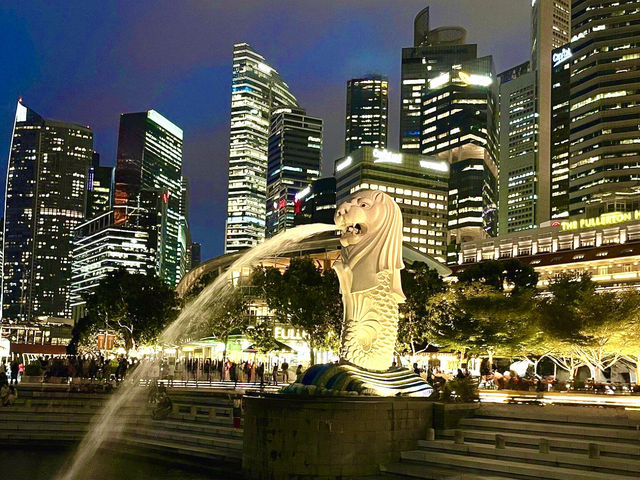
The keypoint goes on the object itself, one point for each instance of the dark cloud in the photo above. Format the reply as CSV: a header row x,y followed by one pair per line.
x,y
89,61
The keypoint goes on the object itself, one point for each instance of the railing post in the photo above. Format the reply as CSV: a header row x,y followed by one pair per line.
x,y
500,441
459,437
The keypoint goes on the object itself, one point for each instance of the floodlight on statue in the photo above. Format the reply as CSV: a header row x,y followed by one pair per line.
x,y
370,223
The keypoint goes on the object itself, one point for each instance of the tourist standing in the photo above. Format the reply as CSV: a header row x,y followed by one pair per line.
x,y
275,373
299,373
14,372
285,372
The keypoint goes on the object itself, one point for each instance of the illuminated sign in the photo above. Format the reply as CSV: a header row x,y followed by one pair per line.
x,y
303,193
385,156
439,80
289,333
561,56
601,221
473,79
344,164
435,165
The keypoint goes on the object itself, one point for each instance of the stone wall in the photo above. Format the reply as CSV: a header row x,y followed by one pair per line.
x,y
290,438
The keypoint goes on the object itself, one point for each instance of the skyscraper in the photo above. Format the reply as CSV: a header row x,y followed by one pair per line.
x,y
367,113
603,107
257,90
150,160
433,53
518,150
45,199
418,184
101,247
318,202
550,29
459,113
295,154
100,188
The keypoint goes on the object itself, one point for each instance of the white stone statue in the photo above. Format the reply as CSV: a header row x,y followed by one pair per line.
x,y
369,274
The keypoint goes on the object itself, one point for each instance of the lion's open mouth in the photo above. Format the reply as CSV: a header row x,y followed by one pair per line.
x,y
355,229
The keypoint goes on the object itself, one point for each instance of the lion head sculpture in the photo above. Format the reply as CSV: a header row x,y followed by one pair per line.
x,y
371,226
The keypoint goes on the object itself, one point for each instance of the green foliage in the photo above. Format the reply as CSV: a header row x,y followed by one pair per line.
x,y
497,274
135,306
261,335
226,317
305,297
477,318
460,390
419,284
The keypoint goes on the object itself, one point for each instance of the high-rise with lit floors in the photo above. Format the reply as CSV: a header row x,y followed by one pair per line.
x,y
367,116
526,164
257,89
550,28
604,106
417,183
295,155
100,188
45,200
433,52
460,119
150,162
518,177
603,65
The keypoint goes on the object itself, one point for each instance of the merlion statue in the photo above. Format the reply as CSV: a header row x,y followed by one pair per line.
x,y
369,274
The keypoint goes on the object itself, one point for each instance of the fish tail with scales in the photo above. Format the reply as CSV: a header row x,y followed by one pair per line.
x,y
371,325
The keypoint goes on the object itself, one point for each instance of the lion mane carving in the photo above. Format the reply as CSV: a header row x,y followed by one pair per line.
x,y
369,275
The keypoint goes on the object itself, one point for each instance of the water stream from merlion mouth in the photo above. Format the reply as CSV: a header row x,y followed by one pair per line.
x,y
110,423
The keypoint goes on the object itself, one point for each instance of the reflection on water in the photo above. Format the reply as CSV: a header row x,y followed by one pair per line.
x,y
25,462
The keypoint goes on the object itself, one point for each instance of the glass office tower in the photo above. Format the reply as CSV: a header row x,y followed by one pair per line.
x,y
257,89
45,200
604,105
295,155
367,116
459,115
433,53
150,160
518,150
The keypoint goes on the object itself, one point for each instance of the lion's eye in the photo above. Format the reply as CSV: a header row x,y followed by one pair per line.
x,y
363,204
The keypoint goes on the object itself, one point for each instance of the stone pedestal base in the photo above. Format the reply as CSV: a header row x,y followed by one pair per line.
x,y
331,438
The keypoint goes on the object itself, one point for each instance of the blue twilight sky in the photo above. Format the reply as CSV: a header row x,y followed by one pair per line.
x,y
87,61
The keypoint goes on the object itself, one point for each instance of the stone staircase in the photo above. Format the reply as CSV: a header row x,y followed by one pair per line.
x,y
200,430
529,443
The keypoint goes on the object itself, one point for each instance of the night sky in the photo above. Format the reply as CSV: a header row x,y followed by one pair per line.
x,y
89,61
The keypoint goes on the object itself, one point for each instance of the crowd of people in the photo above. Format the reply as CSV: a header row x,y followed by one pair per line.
x,y
217,370
98,367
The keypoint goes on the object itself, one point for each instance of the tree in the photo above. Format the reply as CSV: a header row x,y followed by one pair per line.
x,y
223,318
498,274
420,284
135,306
475,318
585,326
305,297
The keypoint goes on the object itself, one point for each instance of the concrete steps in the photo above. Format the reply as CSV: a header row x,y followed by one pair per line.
x,y
198,432
492,466
528,455
562,444
582,432
540,443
